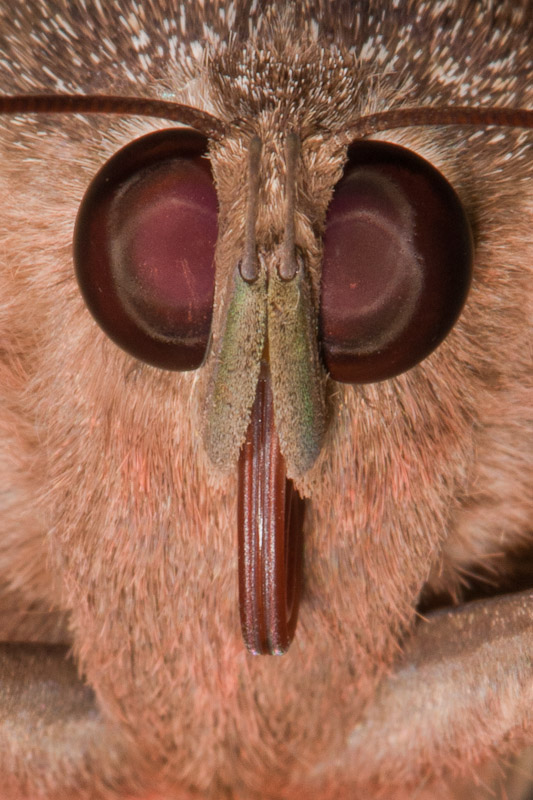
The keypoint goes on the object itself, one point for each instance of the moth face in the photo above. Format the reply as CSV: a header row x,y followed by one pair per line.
x,y
398,259
337,270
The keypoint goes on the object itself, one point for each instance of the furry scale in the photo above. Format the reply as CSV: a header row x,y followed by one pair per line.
x,y
111,511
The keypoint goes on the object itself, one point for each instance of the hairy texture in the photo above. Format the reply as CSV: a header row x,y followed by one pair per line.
x,y
110,510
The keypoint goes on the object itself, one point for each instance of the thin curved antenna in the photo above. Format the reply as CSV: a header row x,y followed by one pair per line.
x,y
107,104
445,115
214,128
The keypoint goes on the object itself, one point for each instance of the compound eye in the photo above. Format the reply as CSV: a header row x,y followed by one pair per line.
x,y
144,246
397,264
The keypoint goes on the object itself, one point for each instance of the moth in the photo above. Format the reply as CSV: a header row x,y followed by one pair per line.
x,y
291,141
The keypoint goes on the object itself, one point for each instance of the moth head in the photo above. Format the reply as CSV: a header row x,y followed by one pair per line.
x,y
304,272
356,288
355,283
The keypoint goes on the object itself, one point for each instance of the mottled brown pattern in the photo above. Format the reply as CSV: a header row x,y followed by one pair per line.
x,y
110,508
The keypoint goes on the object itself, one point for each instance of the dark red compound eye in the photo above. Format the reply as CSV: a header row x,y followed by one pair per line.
x,y
144,248
397,264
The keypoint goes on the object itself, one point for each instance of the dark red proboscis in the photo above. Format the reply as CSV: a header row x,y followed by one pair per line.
x,y
144,247
270,523
397,264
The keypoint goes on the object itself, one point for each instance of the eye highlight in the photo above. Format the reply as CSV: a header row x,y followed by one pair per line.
x,y
144,246
397,264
